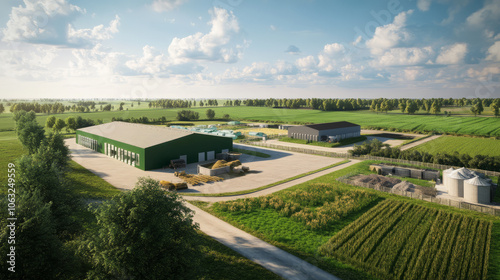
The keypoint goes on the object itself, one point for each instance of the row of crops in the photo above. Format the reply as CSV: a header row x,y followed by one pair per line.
x,y
400,240
317,206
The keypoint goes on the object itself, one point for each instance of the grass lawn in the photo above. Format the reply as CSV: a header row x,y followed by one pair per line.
x,y
275,218
463,145
10,151
87,185
419,123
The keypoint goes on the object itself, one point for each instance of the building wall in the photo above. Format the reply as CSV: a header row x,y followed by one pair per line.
x,y
306,133
122,148
190,146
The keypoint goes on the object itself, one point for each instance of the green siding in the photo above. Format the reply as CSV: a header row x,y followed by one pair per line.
x,y
190,145
160,155
101,140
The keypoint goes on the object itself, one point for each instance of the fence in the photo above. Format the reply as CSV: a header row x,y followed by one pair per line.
x,y
367,157
443,201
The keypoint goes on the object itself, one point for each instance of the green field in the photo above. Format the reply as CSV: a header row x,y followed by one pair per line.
x,y
421,123
462,145
302,219
398,240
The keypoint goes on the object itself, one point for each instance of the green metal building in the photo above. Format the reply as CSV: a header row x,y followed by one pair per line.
x,y
150,147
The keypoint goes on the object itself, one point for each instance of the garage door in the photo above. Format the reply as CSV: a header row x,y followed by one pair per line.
x,y
210,155
201,157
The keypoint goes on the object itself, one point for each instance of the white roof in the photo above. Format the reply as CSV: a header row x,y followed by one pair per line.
x,y
466,172
457,174
139,135
478,181
451,169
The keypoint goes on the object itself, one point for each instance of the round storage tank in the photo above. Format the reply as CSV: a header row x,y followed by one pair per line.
x,y
477,190
446,172
455,183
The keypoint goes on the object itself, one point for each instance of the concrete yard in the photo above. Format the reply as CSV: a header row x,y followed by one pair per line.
x,y
279,166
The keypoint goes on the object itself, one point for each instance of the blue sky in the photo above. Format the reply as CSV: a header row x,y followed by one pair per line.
x,y
249,49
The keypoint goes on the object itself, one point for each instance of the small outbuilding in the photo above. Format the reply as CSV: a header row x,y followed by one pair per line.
x,y
333,131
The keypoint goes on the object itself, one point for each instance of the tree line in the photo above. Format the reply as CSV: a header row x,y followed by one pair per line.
x,y
377,148
52,240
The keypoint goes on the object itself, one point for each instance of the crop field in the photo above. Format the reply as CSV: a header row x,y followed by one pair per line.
x,y
485,126
462,145
397,240
306,218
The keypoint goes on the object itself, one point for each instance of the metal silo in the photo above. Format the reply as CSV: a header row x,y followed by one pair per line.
x,y
446,172
477,190
455,182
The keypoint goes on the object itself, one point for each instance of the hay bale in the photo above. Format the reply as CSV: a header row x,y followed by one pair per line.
x,y
180,186
234,163
219,164
166,185
245,168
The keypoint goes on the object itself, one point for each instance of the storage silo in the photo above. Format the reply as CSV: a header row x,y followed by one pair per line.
x,y
477,190
446,172
455,182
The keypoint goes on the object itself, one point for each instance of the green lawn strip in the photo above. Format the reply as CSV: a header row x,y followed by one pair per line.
x,y
88,185
266,186
251,153
299,241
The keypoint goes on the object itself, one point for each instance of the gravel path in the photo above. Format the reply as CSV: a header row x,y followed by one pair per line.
x,y
270,257
416,143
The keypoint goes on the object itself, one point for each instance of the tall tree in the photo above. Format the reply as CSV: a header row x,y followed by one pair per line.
x,y
210,114
59,125
71,123
435,108
146,233
38,251
411,107
495,107
2,109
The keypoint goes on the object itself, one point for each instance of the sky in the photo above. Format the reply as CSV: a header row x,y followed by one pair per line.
x,y
249,49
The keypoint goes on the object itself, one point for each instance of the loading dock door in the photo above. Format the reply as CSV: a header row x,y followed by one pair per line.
x,y
184,157
201,157
225,151
210,155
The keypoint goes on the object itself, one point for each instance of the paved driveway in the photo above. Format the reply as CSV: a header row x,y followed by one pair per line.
x,y
279,166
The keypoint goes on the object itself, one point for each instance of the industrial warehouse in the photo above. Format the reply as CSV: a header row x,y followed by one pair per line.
x,y
150,147
333,132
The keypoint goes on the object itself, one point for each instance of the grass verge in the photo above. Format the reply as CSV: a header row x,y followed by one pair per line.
x,y
252,153
342,142
266,186
88,185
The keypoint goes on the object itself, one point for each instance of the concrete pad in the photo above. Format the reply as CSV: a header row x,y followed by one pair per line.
x,y
279,166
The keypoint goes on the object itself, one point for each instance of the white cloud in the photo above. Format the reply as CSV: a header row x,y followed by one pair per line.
x,y
97,61
28,62
390,35
486,15
153,62
49,22
216,45
166,5
44,21
86,37
307,63
452,54
494,52
404,56
423,5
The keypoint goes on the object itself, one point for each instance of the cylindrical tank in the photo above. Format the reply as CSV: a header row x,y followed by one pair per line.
x,y
455,183
446,172
477,190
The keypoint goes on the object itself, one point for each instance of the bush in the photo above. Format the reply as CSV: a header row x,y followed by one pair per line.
x,y
187,115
